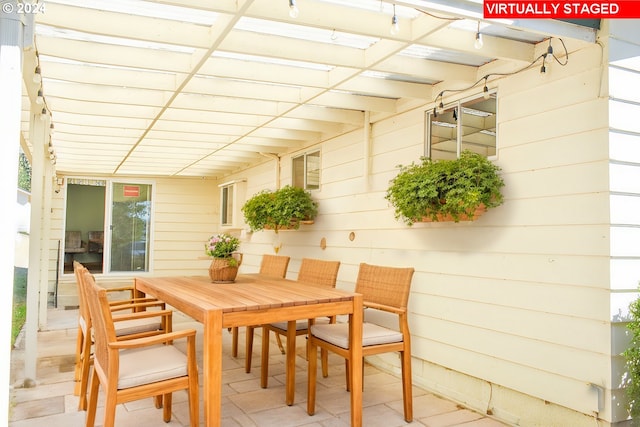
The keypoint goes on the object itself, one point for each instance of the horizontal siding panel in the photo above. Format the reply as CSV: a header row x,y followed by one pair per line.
x,y
625,273
502,273
560,91
574,119
624,116
574,209
548,328
562,390
335,159
348,187
403,121
187,227
625,178
198,216
557,360
567,240
352,203
574,301
624,241
584,147
399,141
567,180
624,147
339,173
624,209
620,87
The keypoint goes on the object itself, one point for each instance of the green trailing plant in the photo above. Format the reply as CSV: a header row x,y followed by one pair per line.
x,y
283,208
435,189
632,356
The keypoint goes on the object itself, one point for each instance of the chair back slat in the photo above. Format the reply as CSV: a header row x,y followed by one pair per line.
x,y
83,307
102,321
274,265
319,272
384,285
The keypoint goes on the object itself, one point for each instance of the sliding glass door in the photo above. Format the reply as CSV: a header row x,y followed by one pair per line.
x,y
107,225
130,227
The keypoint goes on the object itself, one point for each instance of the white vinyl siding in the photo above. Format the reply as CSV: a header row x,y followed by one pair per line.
x,y
518,312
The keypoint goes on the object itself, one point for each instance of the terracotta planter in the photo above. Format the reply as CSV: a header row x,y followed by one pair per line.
x,y
463,217
220,270
291,226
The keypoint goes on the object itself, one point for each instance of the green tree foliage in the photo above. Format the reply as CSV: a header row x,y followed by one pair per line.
x,y
632,355
24,173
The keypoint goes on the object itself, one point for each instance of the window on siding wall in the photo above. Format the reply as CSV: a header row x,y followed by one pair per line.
x,y
463,125
226,204
306,170
231,196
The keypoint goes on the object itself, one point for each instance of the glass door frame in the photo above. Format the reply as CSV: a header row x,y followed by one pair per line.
x,y
108,225
108,204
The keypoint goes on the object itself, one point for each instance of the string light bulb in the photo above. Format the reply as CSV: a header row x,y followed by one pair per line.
x,y
478,43
43,115
39,98
547,58
293,9
485,91
549,55
395,26
37,75
543,68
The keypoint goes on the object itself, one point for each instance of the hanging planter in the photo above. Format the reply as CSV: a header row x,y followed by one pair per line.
x,y
446,190
283,209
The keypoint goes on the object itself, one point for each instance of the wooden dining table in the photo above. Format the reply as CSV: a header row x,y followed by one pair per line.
x,y
254,300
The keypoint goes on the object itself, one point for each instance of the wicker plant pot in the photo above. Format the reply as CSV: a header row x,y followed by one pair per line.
x,y
220,270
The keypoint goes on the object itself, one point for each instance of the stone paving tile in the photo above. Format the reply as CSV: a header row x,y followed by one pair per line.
x,y
244,403
451,419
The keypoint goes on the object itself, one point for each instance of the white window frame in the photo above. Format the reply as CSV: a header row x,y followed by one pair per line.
x,y
429,114
306,171
232,205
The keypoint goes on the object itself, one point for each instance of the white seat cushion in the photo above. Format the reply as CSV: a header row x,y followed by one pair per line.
x,y
372,334
136,326
150,364
301,325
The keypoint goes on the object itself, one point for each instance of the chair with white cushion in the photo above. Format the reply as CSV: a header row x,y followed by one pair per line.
x,y
270,266
137,368
313,272
382,288
128,325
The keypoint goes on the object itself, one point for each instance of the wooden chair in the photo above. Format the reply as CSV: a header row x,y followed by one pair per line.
x,y
272,266
382,288
314,272
136,368
127,326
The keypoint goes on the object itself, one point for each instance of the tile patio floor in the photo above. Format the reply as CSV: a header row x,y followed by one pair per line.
x,y
52,403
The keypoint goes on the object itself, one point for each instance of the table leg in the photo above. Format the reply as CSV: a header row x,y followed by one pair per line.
x,y
355,346
212,368
291,362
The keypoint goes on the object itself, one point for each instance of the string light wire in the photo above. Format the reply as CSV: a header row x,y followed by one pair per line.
x,y
486,77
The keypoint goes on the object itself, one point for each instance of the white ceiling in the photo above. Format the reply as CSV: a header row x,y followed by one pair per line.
x,y
202,87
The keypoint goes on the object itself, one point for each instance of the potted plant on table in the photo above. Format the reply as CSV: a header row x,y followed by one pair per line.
x,y
285,208
226,260
446,190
